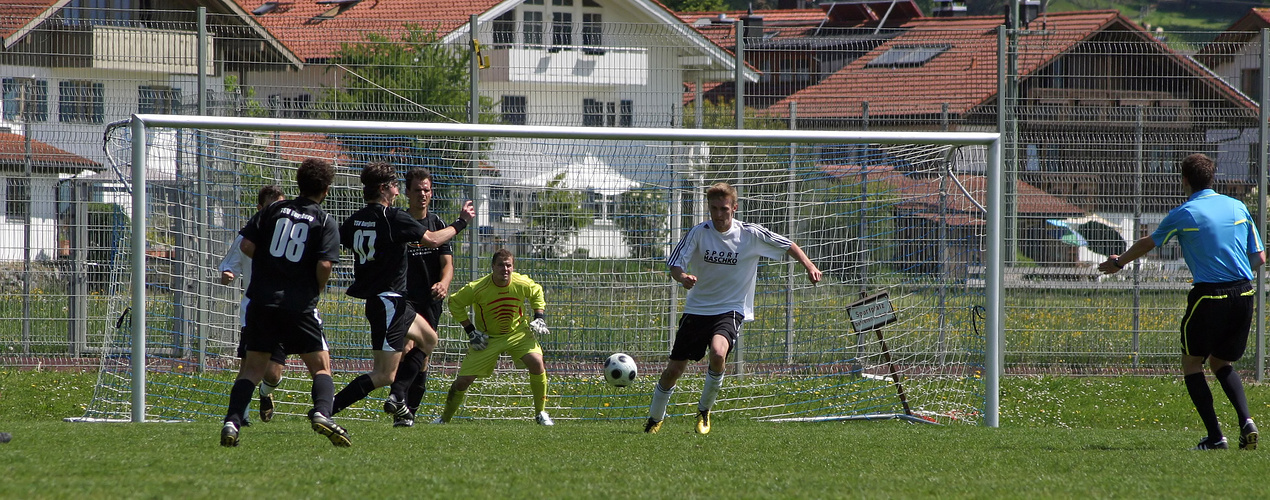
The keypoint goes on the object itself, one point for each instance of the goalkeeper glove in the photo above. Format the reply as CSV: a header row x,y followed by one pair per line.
x,y
539,326
476,338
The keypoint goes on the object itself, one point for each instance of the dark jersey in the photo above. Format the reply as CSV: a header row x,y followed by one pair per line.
x,y
291,237
425,263
378,235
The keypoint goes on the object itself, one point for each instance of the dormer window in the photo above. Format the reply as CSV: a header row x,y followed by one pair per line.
x,y
566,33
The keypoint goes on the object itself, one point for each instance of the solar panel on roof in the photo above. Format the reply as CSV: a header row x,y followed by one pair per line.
x,y
905,56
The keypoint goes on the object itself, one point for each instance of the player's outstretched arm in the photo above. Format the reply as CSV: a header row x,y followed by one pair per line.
x,y
433,239
813,272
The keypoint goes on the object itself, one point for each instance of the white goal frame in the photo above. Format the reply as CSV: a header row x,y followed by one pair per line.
x,y
993,357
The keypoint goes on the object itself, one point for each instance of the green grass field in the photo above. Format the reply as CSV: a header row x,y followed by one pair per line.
x,y
1059,438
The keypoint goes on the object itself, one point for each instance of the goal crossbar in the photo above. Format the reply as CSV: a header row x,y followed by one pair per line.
x,y
993,170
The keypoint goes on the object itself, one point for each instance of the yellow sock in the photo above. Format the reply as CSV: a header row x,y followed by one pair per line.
x,y
538,386
453,401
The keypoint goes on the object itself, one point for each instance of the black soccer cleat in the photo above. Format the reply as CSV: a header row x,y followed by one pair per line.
x,y
403,421
229,435
396,407
1209,443
323,425
1248,436
266,407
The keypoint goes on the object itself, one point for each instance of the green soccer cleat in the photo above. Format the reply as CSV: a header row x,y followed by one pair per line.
x,y
652,426
323,425
229,435
1248,436
703,422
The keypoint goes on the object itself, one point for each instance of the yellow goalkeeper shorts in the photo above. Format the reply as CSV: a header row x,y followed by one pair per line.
x,y
482,363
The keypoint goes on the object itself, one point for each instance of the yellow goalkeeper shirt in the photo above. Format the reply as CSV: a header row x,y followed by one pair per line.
x,y
498,310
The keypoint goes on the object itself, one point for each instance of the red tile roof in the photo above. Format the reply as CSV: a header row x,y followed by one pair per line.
x,y
965,74
1244,30
43,156
17,14
297,27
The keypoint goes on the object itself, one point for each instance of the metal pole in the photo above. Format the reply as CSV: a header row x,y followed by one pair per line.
x,y
26,230
202,226
739,77
473,117
1137,221
138,360
994,355
789,216
1261,201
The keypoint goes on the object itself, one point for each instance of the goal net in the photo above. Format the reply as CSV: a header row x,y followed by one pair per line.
x,y
895,219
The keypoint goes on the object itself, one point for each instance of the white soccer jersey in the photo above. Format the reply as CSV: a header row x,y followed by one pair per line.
x,y
239,263
725,264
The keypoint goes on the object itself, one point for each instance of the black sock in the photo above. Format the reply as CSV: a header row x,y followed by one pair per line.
x,y
1234,388
1203,400
355,391
323,393
239,399
417,391
407,370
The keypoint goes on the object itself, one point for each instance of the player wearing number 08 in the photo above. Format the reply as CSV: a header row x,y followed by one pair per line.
x,y
378,234
499,325
298,246
722,255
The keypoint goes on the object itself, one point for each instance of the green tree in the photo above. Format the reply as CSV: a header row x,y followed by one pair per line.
x,y
643,221
557,215
695,5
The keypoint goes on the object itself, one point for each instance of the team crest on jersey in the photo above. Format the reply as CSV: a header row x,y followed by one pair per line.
x,y
717,257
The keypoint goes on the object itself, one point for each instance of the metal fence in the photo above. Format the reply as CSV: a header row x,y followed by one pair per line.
x,y
1096,113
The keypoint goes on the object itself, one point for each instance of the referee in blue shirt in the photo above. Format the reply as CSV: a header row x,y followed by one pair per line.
x,y
1221,246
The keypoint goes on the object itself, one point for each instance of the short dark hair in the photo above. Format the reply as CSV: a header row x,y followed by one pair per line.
x,y
1199,170
314,177
501,255
268,195
374,175
417,174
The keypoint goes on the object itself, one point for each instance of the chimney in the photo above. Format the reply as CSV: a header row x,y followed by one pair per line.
x,y
948,8
753,27
1029,10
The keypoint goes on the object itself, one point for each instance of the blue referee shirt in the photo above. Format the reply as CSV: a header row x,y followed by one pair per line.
x,y
1216,234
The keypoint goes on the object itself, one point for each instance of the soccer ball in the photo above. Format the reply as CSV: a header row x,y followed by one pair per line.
x,y
619,370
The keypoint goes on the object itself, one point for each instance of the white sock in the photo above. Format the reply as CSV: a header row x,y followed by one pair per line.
x,y
266,389
661,398
711,390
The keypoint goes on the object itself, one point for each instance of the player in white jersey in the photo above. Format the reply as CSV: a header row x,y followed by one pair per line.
x,y
717,262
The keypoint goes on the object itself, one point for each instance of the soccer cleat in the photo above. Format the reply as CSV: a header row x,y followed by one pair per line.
x,y
229,435
703,422
1209,443
544,419
1248,436
396,407
323,425
652,426
403,421
266,407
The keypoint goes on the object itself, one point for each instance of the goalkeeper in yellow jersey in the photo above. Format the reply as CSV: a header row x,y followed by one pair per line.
x,y
499,324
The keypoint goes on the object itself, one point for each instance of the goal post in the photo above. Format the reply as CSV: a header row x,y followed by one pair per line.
x,y
933,302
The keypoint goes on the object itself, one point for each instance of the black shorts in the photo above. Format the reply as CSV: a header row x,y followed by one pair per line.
x,y
271,327
277,355
696,331
430,310
1218,317
390,316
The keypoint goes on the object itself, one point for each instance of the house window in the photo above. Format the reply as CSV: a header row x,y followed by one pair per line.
x,y
533,27
1250,83
158,100
592,30
561,29
505,29
563,3
17,199
99,12
907,56
27,98
80,101
596,113
514,109
532,2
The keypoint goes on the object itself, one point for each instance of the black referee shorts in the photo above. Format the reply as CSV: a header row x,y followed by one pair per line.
x,y
1218,317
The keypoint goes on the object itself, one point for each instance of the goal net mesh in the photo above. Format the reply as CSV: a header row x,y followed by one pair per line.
x,y
591,221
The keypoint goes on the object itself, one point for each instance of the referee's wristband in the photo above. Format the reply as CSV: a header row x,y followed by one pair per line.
x,y
469,328
538,315
459,225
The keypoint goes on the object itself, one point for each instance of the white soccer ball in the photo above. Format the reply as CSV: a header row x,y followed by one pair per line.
x,y
620,370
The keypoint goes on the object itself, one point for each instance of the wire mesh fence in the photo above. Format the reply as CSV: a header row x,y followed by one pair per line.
x,y
1095,111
